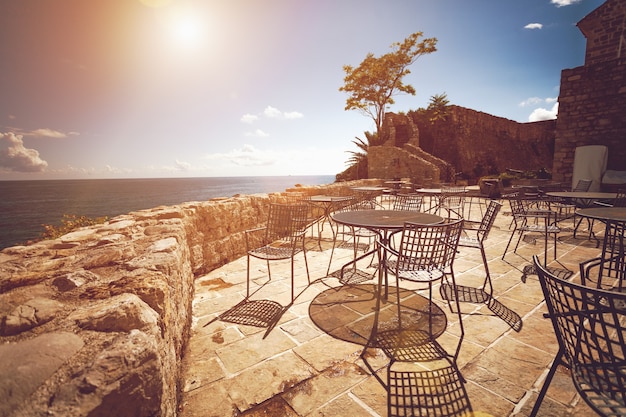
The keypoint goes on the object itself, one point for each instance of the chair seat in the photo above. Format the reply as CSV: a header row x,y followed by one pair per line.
x,y
272,252
469,242
417,275
539,228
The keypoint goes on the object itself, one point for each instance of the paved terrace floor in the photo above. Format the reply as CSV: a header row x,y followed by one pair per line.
x,y
298,369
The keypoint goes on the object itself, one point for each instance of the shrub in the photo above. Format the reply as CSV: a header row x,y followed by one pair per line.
x,y
69,223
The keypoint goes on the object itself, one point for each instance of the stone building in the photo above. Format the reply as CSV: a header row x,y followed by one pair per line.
x,y
592,99
592,111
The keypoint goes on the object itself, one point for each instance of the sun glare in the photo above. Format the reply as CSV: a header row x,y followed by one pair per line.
x,y
187,29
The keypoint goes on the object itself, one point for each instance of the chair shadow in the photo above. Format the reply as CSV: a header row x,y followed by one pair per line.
x,y
440,392
478,296
257,313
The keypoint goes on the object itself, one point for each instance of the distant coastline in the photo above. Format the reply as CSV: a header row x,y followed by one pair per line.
x,y
28,204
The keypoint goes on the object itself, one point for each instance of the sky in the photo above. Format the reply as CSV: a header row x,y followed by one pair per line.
x,y
197,88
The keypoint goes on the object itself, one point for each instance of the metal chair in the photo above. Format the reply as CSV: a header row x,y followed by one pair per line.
x,y
531,221
425,255
480,233
589,328
408,202
452,199
608,271
282,238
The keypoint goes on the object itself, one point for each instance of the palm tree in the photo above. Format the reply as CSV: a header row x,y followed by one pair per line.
x,y
358,159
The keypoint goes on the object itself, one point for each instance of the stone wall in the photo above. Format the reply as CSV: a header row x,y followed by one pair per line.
x,y
478,144
95,322
592,99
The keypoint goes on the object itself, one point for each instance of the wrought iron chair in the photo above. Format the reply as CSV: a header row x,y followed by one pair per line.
x,y
282,238
407,202
567,210
353,236
479,232
589,327
424,255
608,271
531,221
452,199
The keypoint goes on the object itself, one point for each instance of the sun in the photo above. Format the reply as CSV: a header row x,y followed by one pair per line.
x,y
187,29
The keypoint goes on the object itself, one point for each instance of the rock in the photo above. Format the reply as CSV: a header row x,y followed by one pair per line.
x,y
74,280
122,313
25,365
30,314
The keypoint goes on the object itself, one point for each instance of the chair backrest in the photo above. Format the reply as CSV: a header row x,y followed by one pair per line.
x,y
582,186
407,202
518,210
488,219
429,247
620,199
286,221
589,327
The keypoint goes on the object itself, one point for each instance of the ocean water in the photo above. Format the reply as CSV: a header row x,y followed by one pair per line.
x,y
27,205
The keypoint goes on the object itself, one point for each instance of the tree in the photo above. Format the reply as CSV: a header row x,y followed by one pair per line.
x,y
359,158
438,107
372,85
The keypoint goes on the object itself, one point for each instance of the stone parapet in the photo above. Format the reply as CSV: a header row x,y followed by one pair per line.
x,y
96,321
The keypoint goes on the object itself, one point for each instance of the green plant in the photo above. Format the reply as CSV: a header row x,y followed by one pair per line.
x,y
69,223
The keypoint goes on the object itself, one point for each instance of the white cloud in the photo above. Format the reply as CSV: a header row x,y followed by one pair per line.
x,y
182,165
246,156
272,112
544,114
532,101
561,3
15,157
249,118
293,115
258,133
48,133
535,101
533,26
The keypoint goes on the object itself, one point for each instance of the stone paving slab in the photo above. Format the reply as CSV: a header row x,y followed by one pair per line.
x,y
300,370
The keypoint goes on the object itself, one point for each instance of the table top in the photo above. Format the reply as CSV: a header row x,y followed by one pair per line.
x,y
369,188
384,219
437,191
583,195
328,198
617,214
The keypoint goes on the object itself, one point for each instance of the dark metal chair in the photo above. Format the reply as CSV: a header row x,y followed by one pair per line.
x,y
425,255
282,238
452,199
409,202
531,221
480,232
589,327
608,271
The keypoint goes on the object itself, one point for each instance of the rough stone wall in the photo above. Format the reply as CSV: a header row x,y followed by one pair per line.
x,y
95,322
604,28
392,162
592,100
478,144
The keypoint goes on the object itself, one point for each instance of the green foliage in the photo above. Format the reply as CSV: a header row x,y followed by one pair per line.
x,y
438,108
69,223
358,159
372,85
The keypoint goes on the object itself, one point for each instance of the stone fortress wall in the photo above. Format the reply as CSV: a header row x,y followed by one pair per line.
x,y
95,322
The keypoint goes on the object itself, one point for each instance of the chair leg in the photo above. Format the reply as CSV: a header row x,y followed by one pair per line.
x,y
508,243
546,383
487,282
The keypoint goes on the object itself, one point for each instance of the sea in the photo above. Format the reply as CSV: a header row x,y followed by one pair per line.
x,y
25,206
